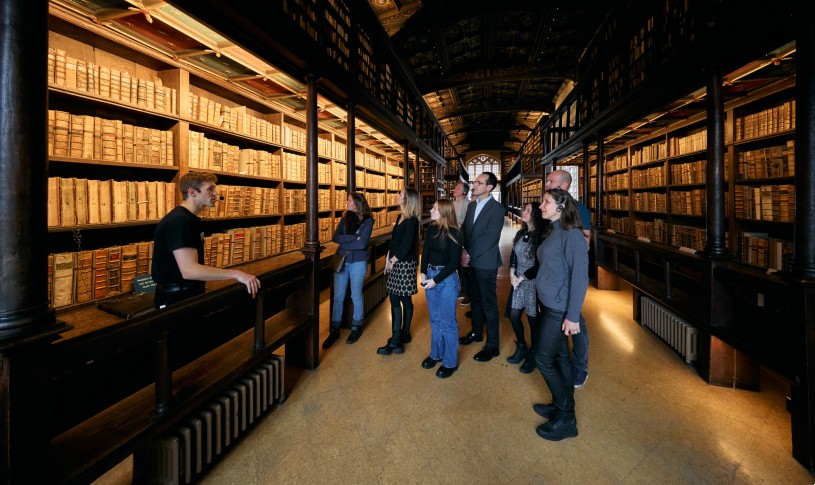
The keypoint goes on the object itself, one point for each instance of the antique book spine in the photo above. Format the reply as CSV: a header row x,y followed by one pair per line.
x,y
143,258
152,200
93,202
105,202
193,159
141,201
53,201
119,200
93,78
62,126
52,61
170,197
52,121
161,199
141,93
168,149
119,125
134,90
63,279
108,140
87,138
208,250
115,85
114,267
100,273
132,201
81,75
236,243
104,81
124,87
130,256
127,142
50,273
75,136
70,72
83,267
81,201
138,144
97,138
155,147
67,202
247,245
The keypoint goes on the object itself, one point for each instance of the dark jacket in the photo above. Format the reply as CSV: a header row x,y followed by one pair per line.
x,y
355,244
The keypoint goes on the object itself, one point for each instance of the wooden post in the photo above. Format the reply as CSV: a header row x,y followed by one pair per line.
x,y
351,154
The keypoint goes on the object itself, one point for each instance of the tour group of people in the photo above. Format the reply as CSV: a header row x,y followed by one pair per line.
x,y
460,258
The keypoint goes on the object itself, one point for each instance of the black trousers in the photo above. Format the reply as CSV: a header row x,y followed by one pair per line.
x,y
484,303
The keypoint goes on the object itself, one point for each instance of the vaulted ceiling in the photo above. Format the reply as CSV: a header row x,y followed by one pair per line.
x,y
489,69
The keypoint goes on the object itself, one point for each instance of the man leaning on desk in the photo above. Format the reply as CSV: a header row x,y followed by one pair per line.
x,y
178,248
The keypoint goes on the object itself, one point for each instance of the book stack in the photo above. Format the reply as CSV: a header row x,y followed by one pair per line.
x,y
688,237
294,201
688,173
690,202
649,177
766,202
620,224
619,162
325,228
694,141
324,200
324,173
770,162
614,182
294,167
776,119
293,236
340,199
649,153
616,201
649,202
656,230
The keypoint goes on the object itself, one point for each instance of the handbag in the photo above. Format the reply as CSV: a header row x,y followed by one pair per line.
x,y
337,262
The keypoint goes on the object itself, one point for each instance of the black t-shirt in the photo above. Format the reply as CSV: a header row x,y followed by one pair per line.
x,y
180,228
438,251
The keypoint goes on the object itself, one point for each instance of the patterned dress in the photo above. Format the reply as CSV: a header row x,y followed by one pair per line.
x,y
525,296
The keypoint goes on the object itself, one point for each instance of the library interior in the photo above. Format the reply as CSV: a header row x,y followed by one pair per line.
x,y
688,131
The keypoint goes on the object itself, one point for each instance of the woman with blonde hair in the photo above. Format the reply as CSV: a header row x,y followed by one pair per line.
x,y
400,268
440,259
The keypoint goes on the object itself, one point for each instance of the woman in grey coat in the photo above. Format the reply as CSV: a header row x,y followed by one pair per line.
x,y
561,284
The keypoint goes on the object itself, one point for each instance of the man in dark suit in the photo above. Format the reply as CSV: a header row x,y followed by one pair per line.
x,y
482,231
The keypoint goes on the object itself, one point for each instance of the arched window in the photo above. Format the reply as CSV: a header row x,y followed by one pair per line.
x,y
485,163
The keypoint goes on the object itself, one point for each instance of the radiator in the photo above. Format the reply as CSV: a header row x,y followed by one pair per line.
x,y
181,454
677,332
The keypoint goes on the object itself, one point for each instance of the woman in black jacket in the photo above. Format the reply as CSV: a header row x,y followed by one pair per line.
x,y
400,267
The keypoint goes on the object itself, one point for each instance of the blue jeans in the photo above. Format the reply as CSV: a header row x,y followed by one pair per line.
x,y
441,304
355,272
580,347
552,359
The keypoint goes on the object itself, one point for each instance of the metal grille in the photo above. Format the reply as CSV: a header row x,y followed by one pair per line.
x,y
677,332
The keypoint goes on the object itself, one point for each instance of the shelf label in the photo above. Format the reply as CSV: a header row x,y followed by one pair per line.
x,y
612,231
643,239
687,250
144,284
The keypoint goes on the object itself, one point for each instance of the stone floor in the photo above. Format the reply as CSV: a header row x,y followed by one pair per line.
x,y
644,416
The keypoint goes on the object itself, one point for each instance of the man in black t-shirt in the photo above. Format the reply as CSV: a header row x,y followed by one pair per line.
x,y
178,249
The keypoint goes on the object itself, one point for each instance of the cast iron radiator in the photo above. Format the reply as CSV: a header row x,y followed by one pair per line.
x,y
198,440
677,332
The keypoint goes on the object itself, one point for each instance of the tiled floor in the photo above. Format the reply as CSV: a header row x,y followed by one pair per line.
x,y
643,417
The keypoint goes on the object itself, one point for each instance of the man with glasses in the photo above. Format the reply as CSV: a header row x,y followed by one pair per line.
x,y
482,231
178,247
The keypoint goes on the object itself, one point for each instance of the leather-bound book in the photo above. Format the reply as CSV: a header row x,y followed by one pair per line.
x,y
63,279
130,255
83,280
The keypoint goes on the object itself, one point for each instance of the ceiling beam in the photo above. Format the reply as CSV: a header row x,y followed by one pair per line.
x,y
489,75
481,108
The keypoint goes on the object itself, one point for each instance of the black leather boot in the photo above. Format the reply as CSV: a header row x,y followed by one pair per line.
x,y
404,333
356,332
564,425
333,335
519,355
529,363
390,348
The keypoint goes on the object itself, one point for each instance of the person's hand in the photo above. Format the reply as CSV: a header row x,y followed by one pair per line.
x,y
251,281
465,259
388,265
569,327
429,284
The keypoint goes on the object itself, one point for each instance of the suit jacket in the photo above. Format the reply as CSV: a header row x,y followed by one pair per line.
x,y
481,237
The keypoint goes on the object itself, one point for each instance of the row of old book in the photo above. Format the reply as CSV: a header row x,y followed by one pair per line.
x,y
618,181
618,162
120,86
689,173
650,201
690,202
83,276
688,237
77,201
648,177
761,250
655,231
772,120
775,161
208,154
94,138
615,201
649,153
694,141
766,202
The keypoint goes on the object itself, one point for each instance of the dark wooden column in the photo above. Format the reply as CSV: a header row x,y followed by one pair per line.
x,y
586,175
406,166
27,324
416,168
598,216
306,344
715,245
803,277
351,155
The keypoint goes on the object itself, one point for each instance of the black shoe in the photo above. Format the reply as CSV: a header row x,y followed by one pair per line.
x,y
470,338
355,334
333,336
486,354
389,348
445,372
548,411
558,428
519,355
529,364
405,337
429,363
468,314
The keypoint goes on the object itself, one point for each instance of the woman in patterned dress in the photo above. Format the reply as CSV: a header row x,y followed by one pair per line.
x,y
400,267
523,267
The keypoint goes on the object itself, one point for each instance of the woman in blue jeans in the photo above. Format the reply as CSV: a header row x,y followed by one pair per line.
x,y
352,234
440,259
561,283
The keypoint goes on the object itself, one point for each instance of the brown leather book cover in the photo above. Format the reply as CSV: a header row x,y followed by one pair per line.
x,y
114,267
93,202
83,280
237,238
75,136
119,133
127,143
59,67
119,200
63,279
152,200
143,258
141,201
170,197
132,199
81,75
100,273
52,61
62,126
108,140
130,255
87,138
